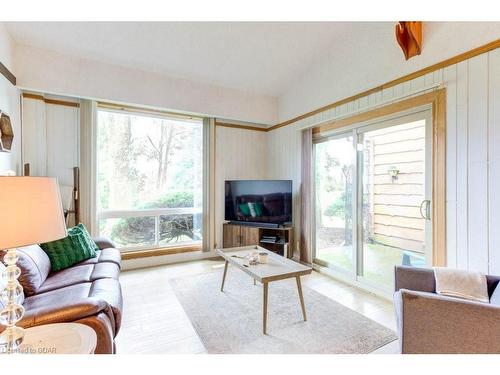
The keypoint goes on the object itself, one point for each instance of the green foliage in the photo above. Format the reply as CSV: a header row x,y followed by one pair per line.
x,y
140,230
337,208
173,200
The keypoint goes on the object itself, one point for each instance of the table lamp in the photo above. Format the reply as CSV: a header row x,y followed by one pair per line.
x,y
30,213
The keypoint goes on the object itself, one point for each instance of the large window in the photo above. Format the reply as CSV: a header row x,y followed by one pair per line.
x,y
149,191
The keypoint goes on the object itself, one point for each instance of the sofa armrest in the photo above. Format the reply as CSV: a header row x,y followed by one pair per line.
x,y
431,323
64,312
414,278
103,243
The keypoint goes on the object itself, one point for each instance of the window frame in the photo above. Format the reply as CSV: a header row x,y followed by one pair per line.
x,y
131,252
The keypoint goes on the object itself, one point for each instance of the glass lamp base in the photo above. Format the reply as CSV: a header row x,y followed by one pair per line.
x,y
12,312
11,339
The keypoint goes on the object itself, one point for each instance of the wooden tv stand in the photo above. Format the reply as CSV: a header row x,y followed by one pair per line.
x,y
235,235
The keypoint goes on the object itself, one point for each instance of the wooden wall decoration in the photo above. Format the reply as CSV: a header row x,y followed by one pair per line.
x,y
409,37
6,133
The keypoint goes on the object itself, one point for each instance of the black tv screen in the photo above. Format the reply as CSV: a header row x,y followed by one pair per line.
x,y
259,201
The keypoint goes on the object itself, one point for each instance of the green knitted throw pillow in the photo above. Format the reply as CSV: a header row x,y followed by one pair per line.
x,y
69,250
87,235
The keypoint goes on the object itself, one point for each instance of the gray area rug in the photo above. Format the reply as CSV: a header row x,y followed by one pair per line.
x,y
231,322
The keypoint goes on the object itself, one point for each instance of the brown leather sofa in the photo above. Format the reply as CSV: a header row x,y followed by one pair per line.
x,y
88,293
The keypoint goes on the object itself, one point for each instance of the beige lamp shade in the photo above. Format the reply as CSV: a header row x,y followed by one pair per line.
x,y
30,211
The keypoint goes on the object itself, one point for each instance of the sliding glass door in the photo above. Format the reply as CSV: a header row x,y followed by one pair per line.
x,y
372,198
334,167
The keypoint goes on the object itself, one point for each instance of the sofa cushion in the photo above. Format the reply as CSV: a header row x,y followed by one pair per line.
x,y
108,255
103,243
75,302
34,265
81,273
70,250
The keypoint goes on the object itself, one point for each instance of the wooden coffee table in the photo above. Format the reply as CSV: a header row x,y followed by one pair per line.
x,y
276,268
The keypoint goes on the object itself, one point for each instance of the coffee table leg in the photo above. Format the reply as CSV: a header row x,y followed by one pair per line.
x,y
301,296
264,317
224,276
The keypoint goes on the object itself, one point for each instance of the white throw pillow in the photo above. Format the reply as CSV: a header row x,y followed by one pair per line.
x,y
461,284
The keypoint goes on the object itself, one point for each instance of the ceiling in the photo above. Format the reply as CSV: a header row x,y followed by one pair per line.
x,y
259,57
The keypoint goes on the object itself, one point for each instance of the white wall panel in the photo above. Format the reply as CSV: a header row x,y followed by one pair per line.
x,y
462,166
478,163
50,139
450,80
239,154
494,161
62,142
35,136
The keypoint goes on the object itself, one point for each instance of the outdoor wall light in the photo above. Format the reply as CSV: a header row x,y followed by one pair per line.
x,y
393,172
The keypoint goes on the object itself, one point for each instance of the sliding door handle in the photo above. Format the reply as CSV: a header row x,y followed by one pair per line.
x,y
425,209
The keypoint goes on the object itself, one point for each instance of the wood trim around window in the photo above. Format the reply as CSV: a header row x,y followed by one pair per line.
x,y
241,126
437,100
146,111
65,103
158,252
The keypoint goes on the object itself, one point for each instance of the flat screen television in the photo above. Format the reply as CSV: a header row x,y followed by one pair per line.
x,y
259,202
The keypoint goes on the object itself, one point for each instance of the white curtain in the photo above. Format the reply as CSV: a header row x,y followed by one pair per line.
x,y
305,195
87,164
208,184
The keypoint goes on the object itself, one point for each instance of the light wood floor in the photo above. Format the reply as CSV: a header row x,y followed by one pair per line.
x,y
154,321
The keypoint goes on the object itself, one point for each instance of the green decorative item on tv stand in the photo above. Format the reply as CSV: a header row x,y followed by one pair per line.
x,y
245,210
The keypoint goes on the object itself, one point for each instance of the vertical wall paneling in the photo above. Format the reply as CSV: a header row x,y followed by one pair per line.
x,y
450,80
462,166
494,160
62,142
240,154
50,139
478,163
34,150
